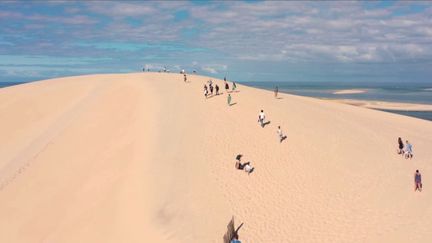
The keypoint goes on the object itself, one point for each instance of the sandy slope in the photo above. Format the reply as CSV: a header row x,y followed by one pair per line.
x,y
146,158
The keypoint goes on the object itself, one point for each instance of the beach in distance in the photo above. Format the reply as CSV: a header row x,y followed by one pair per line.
x,y
146,157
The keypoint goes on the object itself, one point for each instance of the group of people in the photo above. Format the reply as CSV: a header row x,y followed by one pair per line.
x,y
407,151
208,90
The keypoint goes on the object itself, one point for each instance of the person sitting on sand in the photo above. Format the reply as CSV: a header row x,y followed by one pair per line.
x,y
261,118
408,150
417,181
401,146
246,166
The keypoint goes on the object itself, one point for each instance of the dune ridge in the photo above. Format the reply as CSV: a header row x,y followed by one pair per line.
x,y
145,157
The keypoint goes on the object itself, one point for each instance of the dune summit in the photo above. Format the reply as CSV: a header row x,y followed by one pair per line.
x,y
146,158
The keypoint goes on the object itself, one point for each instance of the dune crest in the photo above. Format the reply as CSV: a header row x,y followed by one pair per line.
x,y
145,157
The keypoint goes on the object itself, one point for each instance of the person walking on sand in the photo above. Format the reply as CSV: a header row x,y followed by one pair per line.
x,y
408,150
211,89
400,146
226,87
281,135
417,181
229,99
261,118
276,91
205,91
217,89
185,78
234,86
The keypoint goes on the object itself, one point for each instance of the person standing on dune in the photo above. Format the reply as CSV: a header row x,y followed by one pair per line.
x,y
185,78
417,181
229,99
234,86
400,146
226,87
408,150
261,118
217,89
276,91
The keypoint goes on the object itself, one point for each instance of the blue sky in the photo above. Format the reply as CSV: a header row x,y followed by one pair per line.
x,y
372,41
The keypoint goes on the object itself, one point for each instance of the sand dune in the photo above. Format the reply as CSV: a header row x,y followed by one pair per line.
x,y
146,158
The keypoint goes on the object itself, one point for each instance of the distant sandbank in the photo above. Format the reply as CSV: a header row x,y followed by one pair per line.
x,y
385,105
350,91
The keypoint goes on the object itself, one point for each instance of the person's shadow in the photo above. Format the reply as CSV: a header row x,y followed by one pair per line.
x,y
283,138
233,103
266,123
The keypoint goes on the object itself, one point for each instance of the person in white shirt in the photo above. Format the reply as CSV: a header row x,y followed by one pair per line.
x,y
281,135
261,118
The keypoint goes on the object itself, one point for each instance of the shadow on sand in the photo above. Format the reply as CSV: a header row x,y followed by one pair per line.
x,y
266,123
233,103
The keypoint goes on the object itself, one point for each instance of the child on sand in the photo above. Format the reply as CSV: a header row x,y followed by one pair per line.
x,y
417,181
229,99
408,150
261,118
401,146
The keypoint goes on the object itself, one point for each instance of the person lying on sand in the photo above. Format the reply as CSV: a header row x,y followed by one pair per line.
x,y
417,181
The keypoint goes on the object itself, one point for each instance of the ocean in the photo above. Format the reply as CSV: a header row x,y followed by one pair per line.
x,y
418,93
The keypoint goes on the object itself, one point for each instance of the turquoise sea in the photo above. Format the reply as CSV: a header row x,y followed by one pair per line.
x,y
418,93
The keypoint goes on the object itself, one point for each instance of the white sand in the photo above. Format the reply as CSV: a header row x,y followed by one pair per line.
x,y
350,91
146,158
